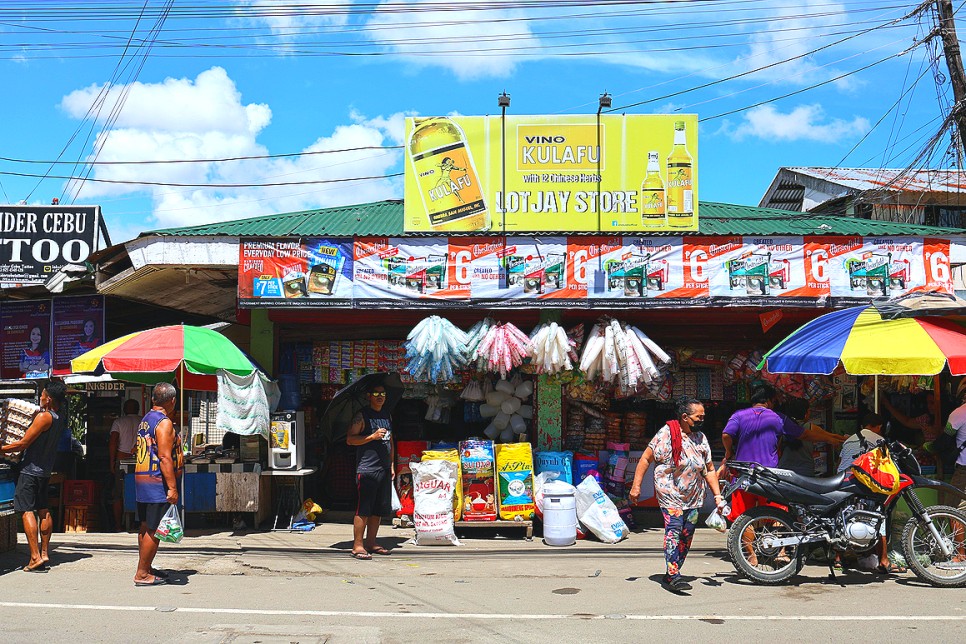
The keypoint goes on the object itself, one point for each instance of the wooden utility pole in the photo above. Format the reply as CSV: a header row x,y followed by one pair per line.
x,y
954,62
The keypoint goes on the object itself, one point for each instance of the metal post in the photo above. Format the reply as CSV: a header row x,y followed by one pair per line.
x,y
503,100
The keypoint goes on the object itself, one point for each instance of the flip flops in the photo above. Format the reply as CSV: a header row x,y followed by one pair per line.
x,y
157,581
891,569
40,568
361,556
379,550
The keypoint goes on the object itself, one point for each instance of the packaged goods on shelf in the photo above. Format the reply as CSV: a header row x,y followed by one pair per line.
x,y
514,465
559,462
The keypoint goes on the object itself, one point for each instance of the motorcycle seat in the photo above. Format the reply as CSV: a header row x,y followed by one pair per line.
x,y
819,485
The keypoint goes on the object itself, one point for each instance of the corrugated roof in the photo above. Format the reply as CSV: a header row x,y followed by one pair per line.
x,y
933,180
385,219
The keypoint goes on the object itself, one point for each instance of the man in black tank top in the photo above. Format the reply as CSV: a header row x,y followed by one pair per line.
x,y
371,434
39,447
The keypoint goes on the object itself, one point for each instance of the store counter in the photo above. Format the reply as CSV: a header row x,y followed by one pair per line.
x,y
230,487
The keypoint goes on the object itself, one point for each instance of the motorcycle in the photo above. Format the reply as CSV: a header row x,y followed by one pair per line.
x,y
769,544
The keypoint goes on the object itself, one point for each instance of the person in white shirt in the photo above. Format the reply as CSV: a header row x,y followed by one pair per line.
x,y
956,426
120,446
852,447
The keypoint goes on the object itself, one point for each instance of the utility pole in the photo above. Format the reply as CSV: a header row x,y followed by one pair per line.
x,y
954,62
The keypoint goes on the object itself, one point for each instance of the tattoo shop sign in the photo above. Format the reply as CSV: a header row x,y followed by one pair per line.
x,y
37,241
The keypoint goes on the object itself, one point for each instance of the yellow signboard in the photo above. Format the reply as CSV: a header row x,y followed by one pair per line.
x,y
555,174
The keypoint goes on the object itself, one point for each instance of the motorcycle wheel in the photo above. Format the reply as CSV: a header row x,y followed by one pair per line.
x,y
773,565
923,554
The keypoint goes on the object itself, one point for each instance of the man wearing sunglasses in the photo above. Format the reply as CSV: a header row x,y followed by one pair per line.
x,y
371,434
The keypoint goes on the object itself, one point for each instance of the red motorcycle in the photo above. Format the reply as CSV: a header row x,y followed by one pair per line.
x,y
851,511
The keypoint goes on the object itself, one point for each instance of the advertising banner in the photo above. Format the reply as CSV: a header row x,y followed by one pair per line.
x,y
37,241
291,272
78,327
588,270
580,173
410,269
25,337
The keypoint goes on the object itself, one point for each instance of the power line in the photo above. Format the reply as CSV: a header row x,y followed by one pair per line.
x,y
203,185
253,157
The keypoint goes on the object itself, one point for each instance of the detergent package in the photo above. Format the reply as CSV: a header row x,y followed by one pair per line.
x,y
560,462
453,456
514,465
478,468
434,486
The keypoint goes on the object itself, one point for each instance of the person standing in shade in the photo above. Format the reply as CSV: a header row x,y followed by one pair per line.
x,y
39,447
683,467
157,469
120,446
371,434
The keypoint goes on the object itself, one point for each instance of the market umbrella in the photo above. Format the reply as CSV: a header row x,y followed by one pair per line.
x,y
921,304
351,398
865,344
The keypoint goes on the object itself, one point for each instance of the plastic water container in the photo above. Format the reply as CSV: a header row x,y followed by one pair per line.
x,y
559,514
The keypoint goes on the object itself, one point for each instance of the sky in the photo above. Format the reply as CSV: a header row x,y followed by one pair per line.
x,y
314,95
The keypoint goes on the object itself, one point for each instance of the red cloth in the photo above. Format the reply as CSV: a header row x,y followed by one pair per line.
x,y
675,428
742,501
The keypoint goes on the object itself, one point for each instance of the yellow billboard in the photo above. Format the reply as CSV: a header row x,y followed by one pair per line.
x,y
578,173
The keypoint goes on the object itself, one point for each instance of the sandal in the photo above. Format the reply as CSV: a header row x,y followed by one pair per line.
x,y
379,550
891,569
361,556
40,568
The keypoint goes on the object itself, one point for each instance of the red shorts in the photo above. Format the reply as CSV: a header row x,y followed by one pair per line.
x,y
742,501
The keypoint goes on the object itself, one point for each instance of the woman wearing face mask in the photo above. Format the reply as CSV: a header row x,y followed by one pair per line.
x,y
683,465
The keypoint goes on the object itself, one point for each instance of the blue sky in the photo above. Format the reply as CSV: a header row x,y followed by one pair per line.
x,y
256,78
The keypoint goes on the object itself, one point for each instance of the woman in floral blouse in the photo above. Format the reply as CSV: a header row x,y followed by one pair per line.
x,y
683,465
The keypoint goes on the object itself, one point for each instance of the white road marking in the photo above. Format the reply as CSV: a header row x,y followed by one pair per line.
x,y
488,616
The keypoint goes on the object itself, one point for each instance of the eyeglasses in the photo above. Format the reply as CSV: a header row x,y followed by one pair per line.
x,y
377,394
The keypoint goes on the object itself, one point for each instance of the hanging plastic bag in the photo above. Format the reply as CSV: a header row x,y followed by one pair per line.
x,y
716,521
396,503
170,530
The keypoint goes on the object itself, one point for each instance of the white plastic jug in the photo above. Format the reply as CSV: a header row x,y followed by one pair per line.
x,y
559,514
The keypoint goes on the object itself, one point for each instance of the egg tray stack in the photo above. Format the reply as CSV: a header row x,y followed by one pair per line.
x,y
635,429
574,430
614,427
15,417
595,434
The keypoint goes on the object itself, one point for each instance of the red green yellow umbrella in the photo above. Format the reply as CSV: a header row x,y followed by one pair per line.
x,y
159,354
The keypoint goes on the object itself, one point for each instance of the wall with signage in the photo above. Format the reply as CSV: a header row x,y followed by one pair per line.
x,y
568,271
576,173
42,336
37,241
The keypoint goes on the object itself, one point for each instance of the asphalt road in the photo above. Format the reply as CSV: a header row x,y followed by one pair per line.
x,y
280,587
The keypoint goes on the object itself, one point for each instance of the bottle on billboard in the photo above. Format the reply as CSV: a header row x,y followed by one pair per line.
x,y
680,190
653,213
446,176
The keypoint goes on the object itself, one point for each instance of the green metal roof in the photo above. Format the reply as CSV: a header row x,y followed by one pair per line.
x,y
385,219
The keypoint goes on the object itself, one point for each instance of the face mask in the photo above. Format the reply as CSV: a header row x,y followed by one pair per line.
x,y
698,424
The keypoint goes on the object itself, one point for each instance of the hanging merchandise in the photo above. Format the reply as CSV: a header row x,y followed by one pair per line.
x,y
622,354
506,406
551,350
502,348
436,350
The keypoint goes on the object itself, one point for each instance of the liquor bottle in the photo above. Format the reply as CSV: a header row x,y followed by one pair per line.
x,y
653,214
446,176
680,190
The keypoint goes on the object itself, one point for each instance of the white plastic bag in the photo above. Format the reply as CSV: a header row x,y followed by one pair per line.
x,y
170,529
716,521
597,512
539,481
396,503
434,486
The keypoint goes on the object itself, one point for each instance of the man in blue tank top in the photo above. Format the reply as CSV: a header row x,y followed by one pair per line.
x,y
371,434
158,465
39,447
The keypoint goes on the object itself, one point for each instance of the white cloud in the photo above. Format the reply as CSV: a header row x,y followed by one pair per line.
x,y
205,118
804,123
288,22
470,43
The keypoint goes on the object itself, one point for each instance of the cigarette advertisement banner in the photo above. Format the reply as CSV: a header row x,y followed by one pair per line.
x,y
580,173
588,270
292,272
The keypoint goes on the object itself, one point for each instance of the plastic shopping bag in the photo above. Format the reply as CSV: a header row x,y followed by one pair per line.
x,y
716,521
396,503
597,512
170,530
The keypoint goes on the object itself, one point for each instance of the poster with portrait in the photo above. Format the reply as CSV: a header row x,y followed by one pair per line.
x,y
25,337
78,327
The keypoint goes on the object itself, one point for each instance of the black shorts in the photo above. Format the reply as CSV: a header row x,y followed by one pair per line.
x,y
375,494
31,493
151,514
